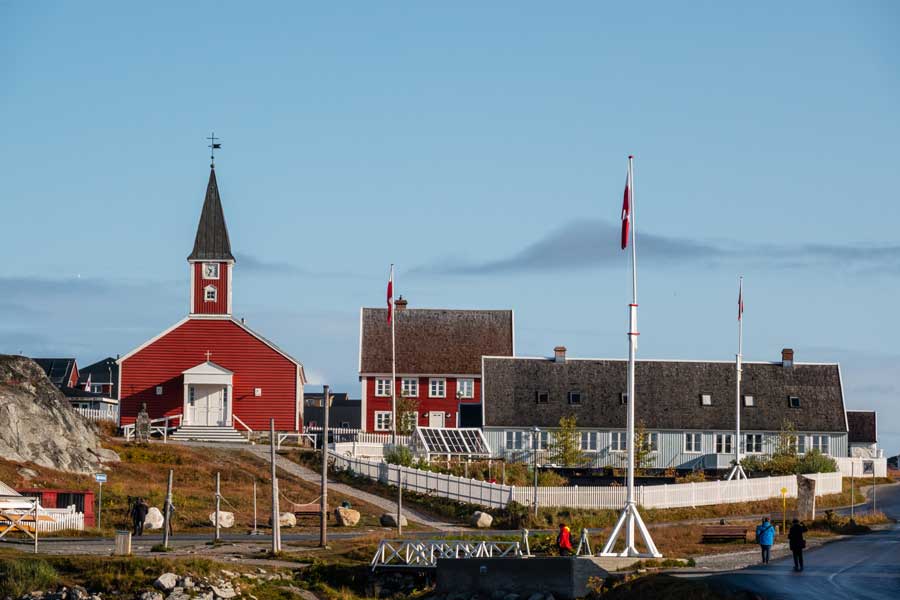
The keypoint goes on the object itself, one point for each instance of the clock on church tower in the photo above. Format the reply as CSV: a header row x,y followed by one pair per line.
x,y
211,260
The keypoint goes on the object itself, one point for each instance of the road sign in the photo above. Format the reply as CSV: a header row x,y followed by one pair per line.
x,y
868,467
783,491
100,477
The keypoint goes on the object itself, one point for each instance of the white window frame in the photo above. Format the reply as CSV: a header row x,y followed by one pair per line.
x,y
747,446
618,441
382,420
203,270
652,441
749,401
694,437
465,388
623,398
210,293
588,441
433,384
513,440
543,440
580,397
409,387
724,443
383,387
705,399
159,390
538,394
798,443
97,388
791,402
822,443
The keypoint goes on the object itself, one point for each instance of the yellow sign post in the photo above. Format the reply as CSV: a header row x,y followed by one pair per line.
x,y
783,510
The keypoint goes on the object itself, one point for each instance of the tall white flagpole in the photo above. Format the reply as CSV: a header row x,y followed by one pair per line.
x,y
737,471
630,516
393,313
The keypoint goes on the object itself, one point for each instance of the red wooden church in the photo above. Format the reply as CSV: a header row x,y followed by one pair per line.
x,y
209,367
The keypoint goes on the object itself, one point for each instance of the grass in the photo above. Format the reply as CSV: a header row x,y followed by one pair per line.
x,y
22,575
144,471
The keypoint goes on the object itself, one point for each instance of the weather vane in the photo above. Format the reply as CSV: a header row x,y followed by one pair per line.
x,y
213,146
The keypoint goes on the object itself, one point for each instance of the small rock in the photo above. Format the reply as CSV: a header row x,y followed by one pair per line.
x,y
285,519
229,574
224,592
166,582
154,519
390,520
481,520
187,583
260,570
346,517
151,596
226,519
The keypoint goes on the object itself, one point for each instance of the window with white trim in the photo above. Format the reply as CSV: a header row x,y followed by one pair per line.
x,y
617,441
706,399
693,443
542,397
574,397
382,420
209,293
159,390
465,388
753,443
794,401
409,387
437,387
543,440
97,388
589,441
382,387
513,440
724,443
798,444
651,441
749,401
623,398
820,443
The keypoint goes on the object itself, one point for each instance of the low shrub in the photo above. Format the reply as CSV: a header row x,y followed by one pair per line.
x,y
399,455
18,576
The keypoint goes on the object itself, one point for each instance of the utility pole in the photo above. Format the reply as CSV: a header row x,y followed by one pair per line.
x,y
852,491
323,522
399,502
166,510
276,515
218,501
255,530
535,433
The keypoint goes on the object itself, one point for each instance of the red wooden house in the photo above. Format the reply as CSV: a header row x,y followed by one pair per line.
x,y
438,355
210,367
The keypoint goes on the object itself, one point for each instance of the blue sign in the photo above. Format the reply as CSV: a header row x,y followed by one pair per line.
x,y
100,477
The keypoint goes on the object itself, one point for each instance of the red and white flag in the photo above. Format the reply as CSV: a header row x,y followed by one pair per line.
x,y
87,384
626,215
390,296
741,300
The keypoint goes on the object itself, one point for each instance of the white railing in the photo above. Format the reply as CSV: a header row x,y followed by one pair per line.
x,y
855,466
345,434
161,426
425,553
249,434
107,413
482,493
362,449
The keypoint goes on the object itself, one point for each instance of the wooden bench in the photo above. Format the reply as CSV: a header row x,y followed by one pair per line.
x,y
306,510
724,533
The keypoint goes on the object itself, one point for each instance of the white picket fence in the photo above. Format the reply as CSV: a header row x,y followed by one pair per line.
x,y
63,519
345,434
107,413
473,491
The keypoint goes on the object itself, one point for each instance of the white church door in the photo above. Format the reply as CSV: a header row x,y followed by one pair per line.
x,y
207,405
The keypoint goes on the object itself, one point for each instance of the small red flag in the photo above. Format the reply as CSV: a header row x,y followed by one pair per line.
x,y
390,296
87,384
626,215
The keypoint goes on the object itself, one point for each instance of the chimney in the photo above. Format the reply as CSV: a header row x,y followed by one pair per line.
x,y
559,354
787,358
400,304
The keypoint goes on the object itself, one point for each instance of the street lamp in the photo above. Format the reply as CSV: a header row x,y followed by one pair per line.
x,y
535,433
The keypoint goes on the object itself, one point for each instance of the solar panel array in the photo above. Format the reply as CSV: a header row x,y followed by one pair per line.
x,y
446,441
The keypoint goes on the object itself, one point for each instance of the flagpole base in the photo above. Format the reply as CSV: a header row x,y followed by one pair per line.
x,y
737,472
629,518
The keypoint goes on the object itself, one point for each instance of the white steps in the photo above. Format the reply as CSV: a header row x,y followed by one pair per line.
x,y
208,433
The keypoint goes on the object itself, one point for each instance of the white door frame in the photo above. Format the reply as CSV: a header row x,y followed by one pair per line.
x,y
208,375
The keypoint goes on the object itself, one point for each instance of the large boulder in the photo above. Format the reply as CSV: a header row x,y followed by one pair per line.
x,y
226,519
346,517
38,423
166,582
154,518
481,520
285,519
390,520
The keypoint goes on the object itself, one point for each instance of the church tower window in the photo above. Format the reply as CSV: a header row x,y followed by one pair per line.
x,y
209,293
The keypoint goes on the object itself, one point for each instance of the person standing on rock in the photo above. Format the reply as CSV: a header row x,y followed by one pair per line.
x,y
797,543
138,513
564,540
765,537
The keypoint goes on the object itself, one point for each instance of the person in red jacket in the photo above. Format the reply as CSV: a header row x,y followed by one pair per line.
x,y
564,540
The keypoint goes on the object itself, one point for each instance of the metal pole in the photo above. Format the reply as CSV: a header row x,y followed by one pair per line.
x,y
632,349
255,530
852,490
166,510
534,439
399,502
393,312
100,505
36,503
323,521
218,499
738,471
874,487
276,526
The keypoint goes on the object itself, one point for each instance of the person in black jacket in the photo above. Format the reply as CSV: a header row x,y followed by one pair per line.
x,y
797,543
138,513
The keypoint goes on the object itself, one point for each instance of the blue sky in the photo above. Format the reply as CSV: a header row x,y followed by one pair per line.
x,y
482,149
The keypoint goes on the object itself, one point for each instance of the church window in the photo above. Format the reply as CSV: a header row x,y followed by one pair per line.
x,y
210,293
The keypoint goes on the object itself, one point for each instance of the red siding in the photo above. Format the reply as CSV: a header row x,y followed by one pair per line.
x,y
73,378
200,306
254,365
49,499
449,404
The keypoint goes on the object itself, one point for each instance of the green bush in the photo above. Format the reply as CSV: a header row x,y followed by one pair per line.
x,y
790,464
816,462
399,455
21,575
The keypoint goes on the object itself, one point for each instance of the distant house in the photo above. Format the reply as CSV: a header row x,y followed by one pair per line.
x,y
686,407
62,372
103,376
99,403
863,434
343,411
438,362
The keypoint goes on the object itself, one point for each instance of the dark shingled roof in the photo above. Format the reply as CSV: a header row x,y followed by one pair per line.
x,y
212,241
668,394
862,426
100,372
58,370
434,341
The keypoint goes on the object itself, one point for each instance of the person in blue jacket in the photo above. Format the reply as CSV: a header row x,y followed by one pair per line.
x,y
765,537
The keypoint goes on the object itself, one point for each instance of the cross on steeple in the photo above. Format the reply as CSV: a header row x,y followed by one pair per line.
x,y
213,146
208,354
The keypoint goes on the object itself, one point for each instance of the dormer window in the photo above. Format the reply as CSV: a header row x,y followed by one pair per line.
x,y
210,293
542,397
793,401
575,397
706,399
210,270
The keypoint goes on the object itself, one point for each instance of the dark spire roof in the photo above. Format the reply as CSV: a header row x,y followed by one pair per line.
x,y
212,241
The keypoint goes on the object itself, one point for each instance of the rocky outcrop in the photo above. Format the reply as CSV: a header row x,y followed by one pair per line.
x,y
38,425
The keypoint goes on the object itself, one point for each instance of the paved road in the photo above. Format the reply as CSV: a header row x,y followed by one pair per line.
x,y
865,567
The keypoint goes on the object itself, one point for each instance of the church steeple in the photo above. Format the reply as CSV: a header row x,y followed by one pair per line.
x,y
211,242
211,260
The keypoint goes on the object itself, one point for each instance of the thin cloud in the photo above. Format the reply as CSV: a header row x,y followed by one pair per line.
x,y
257,266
